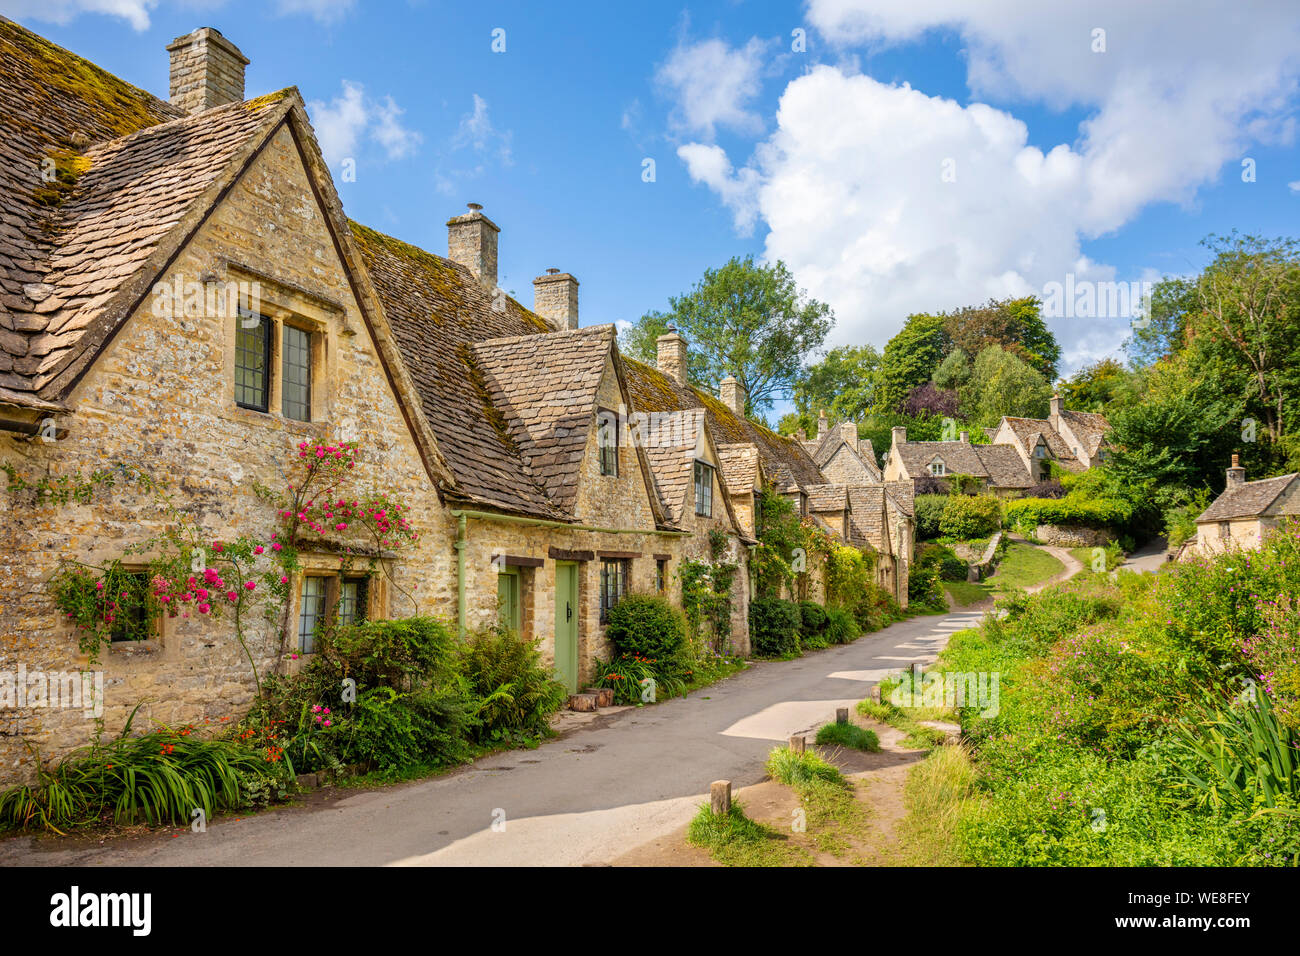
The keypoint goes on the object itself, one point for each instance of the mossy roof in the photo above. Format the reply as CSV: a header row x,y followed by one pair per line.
x,y
94,175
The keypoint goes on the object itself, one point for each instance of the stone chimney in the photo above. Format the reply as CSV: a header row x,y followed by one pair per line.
x,y
823,424
1055,417
472,242
207,70
899,435
671,356
849,432
1236,474
734,395
555,298
965,437
801,435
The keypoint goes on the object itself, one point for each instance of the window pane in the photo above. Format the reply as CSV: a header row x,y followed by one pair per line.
x,y
703,489
352,601
252,336
313,609
130,608
607,442
297,374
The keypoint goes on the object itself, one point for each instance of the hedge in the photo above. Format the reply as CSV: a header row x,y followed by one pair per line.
x,y
970,516
774,627
1098,513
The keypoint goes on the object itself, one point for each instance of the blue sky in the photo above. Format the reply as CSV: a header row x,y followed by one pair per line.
x,y
844,182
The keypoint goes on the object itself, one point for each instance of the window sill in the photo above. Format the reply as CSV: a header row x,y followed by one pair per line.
x,y
136,648
249,416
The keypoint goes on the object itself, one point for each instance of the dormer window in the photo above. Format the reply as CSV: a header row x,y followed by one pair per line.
x,y
1040,450
607,442
937,468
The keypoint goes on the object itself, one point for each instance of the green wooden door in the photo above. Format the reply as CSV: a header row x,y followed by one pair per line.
x,y
566,623
508,606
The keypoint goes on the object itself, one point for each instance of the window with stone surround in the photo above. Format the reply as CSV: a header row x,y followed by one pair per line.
x,y
353,598
296,374
613,583
311,612
661,575
132,618
704,489
253,361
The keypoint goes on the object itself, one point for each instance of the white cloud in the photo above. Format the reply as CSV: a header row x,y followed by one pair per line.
x,y
850,183
713,85
134,12
322,11
341,124
476,131
1294,187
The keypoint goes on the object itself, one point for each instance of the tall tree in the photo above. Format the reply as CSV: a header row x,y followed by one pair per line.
x,y
1014,324
1003,384
1096,386
910,358
843,383
1161,330
743,319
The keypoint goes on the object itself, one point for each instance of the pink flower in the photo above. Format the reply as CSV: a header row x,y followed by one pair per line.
x,y
327,723
205,608
250,585
218,547
99,585
276,546
315,708
284,579
232,596
258,549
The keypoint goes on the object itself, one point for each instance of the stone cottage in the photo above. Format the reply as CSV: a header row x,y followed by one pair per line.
x,y
1076,440
1246,510
181,293
996,469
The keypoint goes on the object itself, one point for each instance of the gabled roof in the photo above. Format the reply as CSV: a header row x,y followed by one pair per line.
x,y
1089,427
903,494
867,527
77,254
1029,430
958,457
671,448
741,469
783,460
1005,467
544,387
1247,500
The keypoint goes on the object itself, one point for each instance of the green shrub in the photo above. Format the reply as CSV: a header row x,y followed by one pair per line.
x,y
1102,514
951,567
795,769
812,627
929,511
970,516
841,626
774,627
923,587
647,625
848,735
637,680
516,693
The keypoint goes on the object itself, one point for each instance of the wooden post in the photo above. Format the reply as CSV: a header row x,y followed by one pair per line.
x,y
798,744
917,668
875,694
841,715
720,797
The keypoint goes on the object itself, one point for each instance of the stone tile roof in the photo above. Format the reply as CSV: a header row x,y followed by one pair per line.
x,y
827,497
1247,500
1005,467
438,312
670,447
867,527
544,386
958,457
903,493
1089,427
784,461
741,470
128,169
1029,430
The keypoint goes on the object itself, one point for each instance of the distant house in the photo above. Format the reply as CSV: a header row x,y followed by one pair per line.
x,y
841,455
997,469
1245,511
1076,440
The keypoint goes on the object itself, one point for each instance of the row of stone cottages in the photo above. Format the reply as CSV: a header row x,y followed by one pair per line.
x,y
504,429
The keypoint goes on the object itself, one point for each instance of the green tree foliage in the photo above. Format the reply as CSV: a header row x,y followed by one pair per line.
x,y
1098,386
1161,331
910,358
1002,384
743,319
1016,325
843,383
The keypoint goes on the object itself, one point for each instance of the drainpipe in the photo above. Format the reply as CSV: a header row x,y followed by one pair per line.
x,y
462,539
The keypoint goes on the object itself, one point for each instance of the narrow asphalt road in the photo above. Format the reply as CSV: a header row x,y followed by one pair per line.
x,y
620,781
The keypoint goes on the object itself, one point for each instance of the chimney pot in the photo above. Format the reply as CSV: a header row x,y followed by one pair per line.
x,y
555,298
207,70
671,355
1236,474
472,242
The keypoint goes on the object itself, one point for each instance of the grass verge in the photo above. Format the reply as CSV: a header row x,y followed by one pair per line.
x,y
848,735
735,840
1023,566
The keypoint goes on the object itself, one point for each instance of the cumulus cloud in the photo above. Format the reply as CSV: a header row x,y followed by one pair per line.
x,y
134,12
713,84
343,122
886,200
476,131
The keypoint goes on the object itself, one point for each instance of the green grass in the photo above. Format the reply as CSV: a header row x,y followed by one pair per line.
x,y
918,736
1023,566
1085,557
834,815
935,792
966,593
736,840
848,735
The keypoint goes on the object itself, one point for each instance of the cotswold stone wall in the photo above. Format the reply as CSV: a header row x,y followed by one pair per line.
x,y
162,398
1072,536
